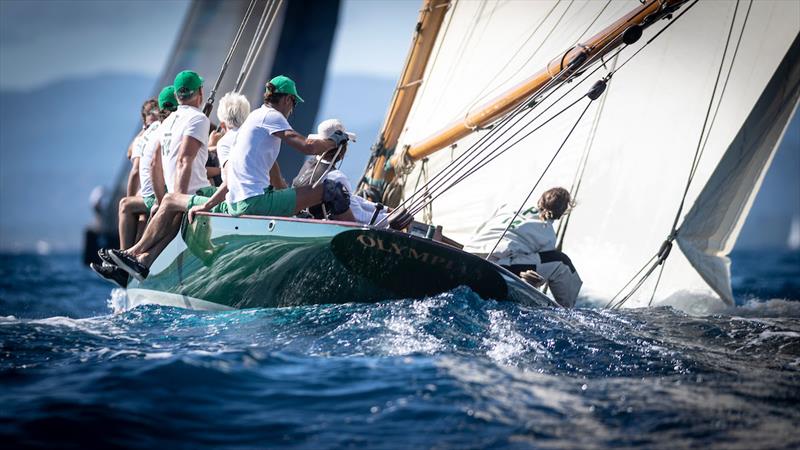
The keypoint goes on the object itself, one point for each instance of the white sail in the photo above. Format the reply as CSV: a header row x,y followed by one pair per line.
x,y
645,135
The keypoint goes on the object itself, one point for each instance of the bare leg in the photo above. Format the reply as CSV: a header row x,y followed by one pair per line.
x,y
307,196
159,228
150,256
140,226
129,210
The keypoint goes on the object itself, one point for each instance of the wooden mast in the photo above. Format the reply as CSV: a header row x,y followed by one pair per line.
x,y
601,43
428,24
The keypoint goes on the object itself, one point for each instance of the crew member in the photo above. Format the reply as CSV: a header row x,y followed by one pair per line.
x,y
250,168
323,167
183,153
528,248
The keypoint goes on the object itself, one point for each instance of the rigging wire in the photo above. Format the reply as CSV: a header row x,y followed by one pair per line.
x,y
479,96
239,32
535,185
476,147
258,37
664,251
499,150
584,161
263,39
474,150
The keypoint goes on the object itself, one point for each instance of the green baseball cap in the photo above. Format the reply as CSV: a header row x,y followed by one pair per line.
x,y
285,85
186,83
166,99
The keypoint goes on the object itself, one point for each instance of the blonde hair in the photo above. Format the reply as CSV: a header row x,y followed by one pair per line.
x,y
233,109
554,203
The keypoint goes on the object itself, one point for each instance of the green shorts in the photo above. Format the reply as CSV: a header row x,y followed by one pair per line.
x,y
201,196
149,201
222,208
271,203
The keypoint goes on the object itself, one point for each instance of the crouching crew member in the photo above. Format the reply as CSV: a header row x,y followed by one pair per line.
x,y
528,248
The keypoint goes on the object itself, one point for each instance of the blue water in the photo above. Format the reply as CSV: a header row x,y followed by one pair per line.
x,y
452,371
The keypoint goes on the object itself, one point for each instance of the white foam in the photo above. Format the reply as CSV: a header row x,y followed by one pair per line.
x,y
118,302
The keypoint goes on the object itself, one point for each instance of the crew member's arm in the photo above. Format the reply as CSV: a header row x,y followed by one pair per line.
x,y
276,177
216,199
306,146
133,178
186,154
157,174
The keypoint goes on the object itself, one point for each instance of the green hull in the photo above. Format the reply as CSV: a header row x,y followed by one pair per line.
x,y
222,262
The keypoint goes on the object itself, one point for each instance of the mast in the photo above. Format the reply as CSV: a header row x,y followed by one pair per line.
x,y
625,30
427,29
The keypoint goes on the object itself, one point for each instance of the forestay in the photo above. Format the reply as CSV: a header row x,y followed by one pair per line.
x,y
644,136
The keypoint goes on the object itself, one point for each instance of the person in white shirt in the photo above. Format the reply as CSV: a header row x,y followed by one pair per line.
x,y
528,248
182,155
140,196
320,167
131,206
232,111
253,179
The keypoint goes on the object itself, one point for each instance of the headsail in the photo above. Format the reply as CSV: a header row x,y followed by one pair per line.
x,y
642,141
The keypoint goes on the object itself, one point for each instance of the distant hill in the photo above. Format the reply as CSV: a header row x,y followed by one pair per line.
x,y
57,143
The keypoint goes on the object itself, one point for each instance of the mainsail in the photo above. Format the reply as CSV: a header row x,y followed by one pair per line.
x,y
717,76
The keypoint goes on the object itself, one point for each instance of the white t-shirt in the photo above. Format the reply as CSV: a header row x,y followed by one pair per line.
x,y
136,146
361,208
145,149
186,121
525,238
224,146
253,153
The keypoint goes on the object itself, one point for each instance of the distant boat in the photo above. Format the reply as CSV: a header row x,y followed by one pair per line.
x,y
793,241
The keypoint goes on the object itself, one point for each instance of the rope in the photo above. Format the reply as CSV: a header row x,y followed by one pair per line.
x,y
705,130
584,161
210,102
479,96
262,39
475,148
535,185
260,35
499,150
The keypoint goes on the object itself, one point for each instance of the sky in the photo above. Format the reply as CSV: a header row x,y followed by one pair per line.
x,y
42,41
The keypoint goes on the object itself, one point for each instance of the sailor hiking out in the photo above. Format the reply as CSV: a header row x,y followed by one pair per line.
x,y
250,178
183,153
131,206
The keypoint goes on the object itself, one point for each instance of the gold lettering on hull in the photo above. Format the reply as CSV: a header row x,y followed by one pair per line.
x,y
407,252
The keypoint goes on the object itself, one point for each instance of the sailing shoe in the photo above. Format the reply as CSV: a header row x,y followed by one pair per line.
x,y
129,264
111,273
105,257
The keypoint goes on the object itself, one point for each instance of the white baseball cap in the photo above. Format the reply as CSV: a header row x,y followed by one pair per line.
x,y
326,128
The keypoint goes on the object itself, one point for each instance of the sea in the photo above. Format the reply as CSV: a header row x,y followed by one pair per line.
x,y
450,371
